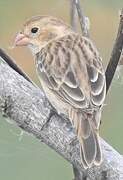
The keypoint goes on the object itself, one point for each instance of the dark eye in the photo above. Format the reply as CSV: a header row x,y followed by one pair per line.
x,y
34,30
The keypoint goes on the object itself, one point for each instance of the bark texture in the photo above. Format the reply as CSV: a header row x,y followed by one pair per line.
x,y
26,105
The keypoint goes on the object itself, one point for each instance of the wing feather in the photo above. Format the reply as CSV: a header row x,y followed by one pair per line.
x,y
70,79
78,89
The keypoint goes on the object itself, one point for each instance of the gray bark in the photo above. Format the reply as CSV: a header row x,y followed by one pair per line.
x,y
27,106
73,16
81,16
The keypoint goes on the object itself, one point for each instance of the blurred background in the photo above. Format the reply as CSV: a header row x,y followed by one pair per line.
x,y
23,157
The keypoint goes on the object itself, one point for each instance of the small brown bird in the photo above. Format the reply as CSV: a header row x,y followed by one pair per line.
x,y
72,76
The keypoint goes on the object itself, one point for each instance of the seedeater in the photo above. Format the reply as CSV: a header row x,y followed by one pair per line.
x,y
72,76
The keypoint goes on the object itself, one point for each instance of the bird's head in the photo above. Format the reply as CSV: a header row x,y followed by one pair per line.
x,y
39,31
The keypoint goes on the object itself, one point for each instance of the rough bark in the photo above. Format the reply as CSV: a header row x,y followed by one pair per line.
x,y
27,106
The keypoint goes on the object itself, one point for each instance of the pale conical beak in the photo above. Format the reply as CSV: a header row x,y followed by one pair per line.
x,y
21,40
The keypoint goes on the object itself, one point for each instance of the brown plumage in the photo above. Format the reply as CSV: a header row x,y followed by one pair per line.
x,y
72,76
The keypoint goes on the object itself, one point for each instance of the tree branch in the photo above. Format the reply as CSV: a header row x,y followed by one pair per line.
x,y
73,16
82,18
27,106
116,53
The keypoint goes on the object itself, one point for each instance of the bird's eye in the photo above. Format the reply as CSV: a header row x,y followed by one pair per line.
x,y
34,30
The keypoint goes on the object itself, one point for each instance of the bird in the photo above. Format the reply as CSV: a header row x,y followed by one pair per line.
x,y
72,77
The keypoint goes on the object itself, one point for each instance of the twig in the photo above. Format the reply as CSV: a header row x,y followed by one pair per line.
x,y
73,16
82,19
116,53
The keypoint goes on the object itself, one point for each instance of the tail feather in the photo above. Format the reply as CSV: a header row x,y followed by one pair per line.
x,y
84,163
89,148
89,139
85,128
98,158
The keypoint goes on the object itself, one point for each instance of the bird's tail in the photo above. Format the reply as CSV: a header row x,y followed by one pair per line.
x,y
87,126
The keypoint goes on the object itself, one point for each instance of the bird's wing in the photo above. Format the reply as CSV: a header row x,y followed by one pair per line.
x,y
72,69
96,73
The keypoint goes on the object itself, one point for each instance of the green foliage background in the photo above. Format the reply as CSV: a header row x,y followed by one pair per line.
x,y
23,158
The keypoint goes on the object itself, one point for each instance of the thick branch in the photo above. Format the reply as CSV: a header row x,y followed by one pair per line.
x,y
28,107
